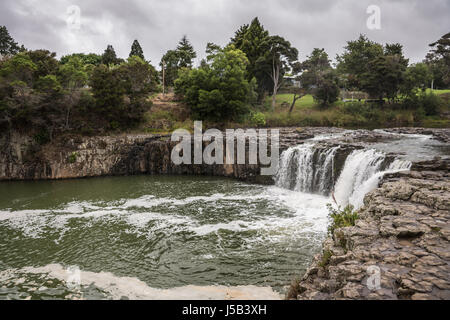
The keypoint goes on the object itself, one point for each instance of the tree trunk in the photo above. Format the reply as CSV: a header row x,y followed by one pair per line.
x,y
274,98
294,100
275,79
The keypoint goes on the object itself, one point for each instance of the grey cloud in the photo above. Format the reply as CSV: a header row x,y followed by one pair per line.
x,y
158,25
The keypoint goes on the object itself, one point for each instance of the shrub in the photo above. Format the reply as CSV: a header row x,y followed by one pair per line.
x,y
430,103
419,114
341,218
326,256
258,119
73,157
218,91
327,91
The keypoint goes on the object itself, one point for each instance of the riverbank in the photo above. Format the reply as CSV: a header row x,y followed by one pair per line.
x,y
402,235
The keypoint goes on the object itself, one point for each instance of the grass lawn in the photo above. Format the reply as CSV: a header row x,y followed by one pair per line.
x,y
439,91
308,100
305,102
308,113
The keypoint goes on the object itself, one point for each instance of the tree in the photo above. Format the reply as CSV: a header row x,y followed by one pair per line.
x,y
87,59
439,60
108,92
218,90
136,50
19,68
278,59
354,62
253,41
109,56
7,44
186,53
16,80
174,60
417,77
373,68
45,62
48,85
327,91
121,93
170,63
212,50
138,78
73,77
385,73
314,67
319,78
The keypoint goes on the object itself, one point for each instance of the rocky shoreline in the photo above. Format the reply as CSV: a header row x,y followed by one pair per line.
x,y
399,247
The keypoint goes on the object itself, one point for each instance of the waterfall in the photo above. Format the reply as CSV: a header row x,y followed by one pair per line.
x,y
362,171
311,168
307,168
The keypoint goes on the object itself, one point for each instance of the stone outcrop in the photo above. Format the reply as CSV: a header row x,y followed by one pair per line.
x,y
78,157
439,134
398,249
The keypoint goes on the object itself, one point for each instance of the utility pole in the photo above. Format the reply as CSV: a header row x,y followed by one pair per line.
x,y
163,77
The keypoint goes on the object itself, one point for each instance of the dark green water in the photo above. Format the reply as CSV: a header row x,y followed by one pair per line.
x,y
132,236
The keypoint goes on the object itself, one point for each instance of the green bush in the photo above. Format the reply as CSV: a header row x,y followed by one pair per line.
x,y
430,103
258,119
341,218
73,157
327,91
326,256
217,91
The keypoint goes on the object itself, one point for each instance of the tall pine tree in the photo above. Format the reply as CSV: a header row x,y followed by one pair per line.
x,y
7,43
136,50
186,53
253,40
109,56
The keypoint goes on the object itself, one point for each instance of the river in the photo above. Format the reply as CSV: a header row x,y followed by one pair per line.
x,y
175,237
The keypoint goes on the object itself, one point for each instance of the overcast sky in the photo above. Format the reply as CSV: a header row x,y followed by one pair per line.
x,y
159,24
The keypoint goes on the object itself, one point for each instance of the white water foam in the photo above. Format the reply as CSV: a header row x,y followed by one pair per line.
x,y
135,289
304,213
361,174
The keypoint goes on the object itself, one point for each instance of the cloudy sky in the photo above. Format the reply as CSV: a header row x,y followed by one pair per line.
x,y
159,24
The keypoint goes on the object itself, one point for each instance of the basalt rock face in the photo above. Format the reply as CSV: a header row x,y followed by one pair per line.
x,y
439,134
398,249
101,156
78,157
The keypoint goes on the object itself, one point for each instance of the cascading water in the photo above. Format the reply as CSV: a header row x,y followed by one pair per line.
x,y
307,168
361,173
311,168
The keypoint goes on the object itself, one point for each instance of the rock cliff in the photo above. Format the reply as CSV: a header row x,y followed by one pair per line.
x,y
399,247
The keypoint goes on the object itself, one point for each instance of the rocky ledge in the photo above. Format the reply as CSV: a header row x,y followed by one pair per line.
x,y
399,247
21,158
